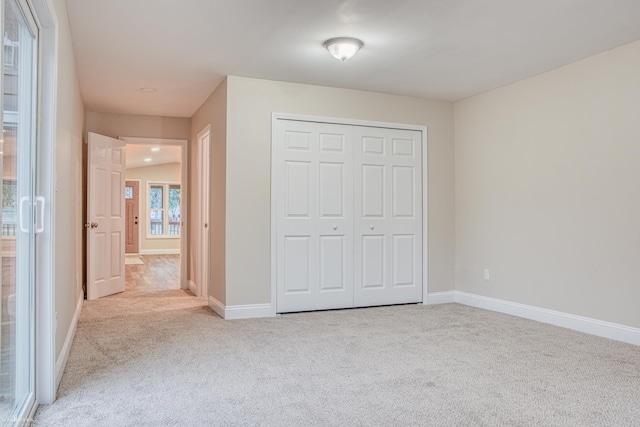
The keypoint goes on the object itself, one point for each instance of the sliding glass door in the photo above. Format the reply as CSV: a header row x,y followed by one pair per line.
x,y
19,207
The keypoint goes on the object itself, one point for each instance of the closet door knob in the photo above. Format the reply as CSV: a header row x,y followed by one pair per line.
x,y
371,227
335,227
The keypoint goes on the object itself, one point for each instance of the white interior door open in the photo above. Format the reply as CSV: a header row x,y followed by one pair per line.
x,y
105,216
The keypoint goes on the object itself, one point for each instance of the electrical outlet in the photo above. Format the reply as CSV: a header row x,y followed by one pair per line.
x,y
487,274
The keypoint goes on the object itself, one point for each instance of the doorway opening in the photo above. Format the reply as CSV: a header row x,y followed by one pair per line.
x,y
155,215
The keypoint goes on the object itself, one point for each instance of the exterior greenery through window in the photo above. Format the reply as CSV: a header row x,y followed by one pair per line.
x,y
164,210
9,194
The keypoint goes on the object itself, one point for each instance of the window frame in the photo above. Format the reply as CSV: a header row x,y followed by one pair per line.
x,y
166,185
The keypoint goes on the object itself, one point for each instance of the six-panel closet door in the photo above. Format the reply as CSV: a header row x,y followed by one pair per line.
x,y
348,216
314,175
388,216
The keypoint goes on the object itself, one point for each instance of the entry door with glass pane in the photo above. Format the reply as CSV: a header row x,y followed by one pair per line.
x,y
18,211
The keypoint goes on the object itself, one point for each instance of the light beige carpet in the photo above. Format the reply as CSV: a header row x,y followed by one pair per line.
x,y
169,361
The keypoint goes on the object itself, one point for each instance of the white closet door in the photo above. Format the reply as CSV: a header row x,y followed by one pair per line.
x,y
314,248
388,216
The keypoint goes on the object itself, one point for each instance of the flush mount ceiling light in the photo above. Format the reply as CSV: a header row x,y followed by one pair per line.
x,y
148,89
148,159
155,149
343,48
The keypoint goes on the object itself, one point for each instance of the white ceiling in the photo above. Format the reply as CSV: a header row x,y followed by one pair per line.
x,y
136,153
442,49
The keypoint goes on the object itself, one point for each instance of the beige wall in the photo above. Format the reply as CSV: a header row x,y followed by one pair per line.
x,y
547,189
117,125
166,173
213,112
251,103
68,204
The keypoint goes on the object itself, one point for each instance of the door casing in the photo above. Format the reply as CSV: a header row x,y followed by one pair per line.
x,y
203,232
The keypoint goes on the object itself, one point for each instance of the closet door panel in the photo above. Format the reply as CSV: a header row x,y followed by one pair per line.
x,y
314,224
388,207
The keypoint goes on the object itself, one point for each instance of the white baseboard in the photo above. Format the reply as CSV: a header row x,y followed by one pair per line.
x,y
587,325
249,311
233,312
216,306
159,251
61,363
193,287
440,298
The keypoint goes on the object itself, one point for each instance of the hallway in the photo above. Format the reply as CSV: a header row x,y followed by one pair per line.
x,y
157,273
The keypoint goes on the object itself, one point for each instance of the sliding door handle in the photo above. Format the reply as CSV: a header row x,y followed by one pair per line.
x,y
23,200
40,204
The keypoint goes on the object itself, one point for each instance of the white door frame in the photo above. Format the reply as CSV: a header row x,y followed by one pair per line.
x,y
203,272
184,194
334,120
45,326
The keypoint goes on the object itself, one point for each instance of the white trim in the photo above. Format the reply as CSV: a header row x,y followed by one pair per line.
x,y
274,214
160,252
425,213
587,325
342,121
574,322
248,311
203,240
193,287
61,363
352,122
45,347
217,306
440,298
235,312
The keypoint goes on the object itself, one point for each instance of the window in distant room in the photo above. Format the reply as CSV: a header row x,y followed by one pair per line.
x,y
164,210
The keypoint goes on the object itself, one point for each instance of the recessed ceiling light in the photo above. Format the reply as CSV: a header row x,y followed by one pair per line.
x,y
148,89
155,149
343,48
148,159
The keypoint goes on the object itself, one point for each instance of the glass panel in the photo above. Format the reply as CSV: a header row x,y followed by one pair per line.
x,y
128,192
156,221
17,153
174,210
155,196
9,197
